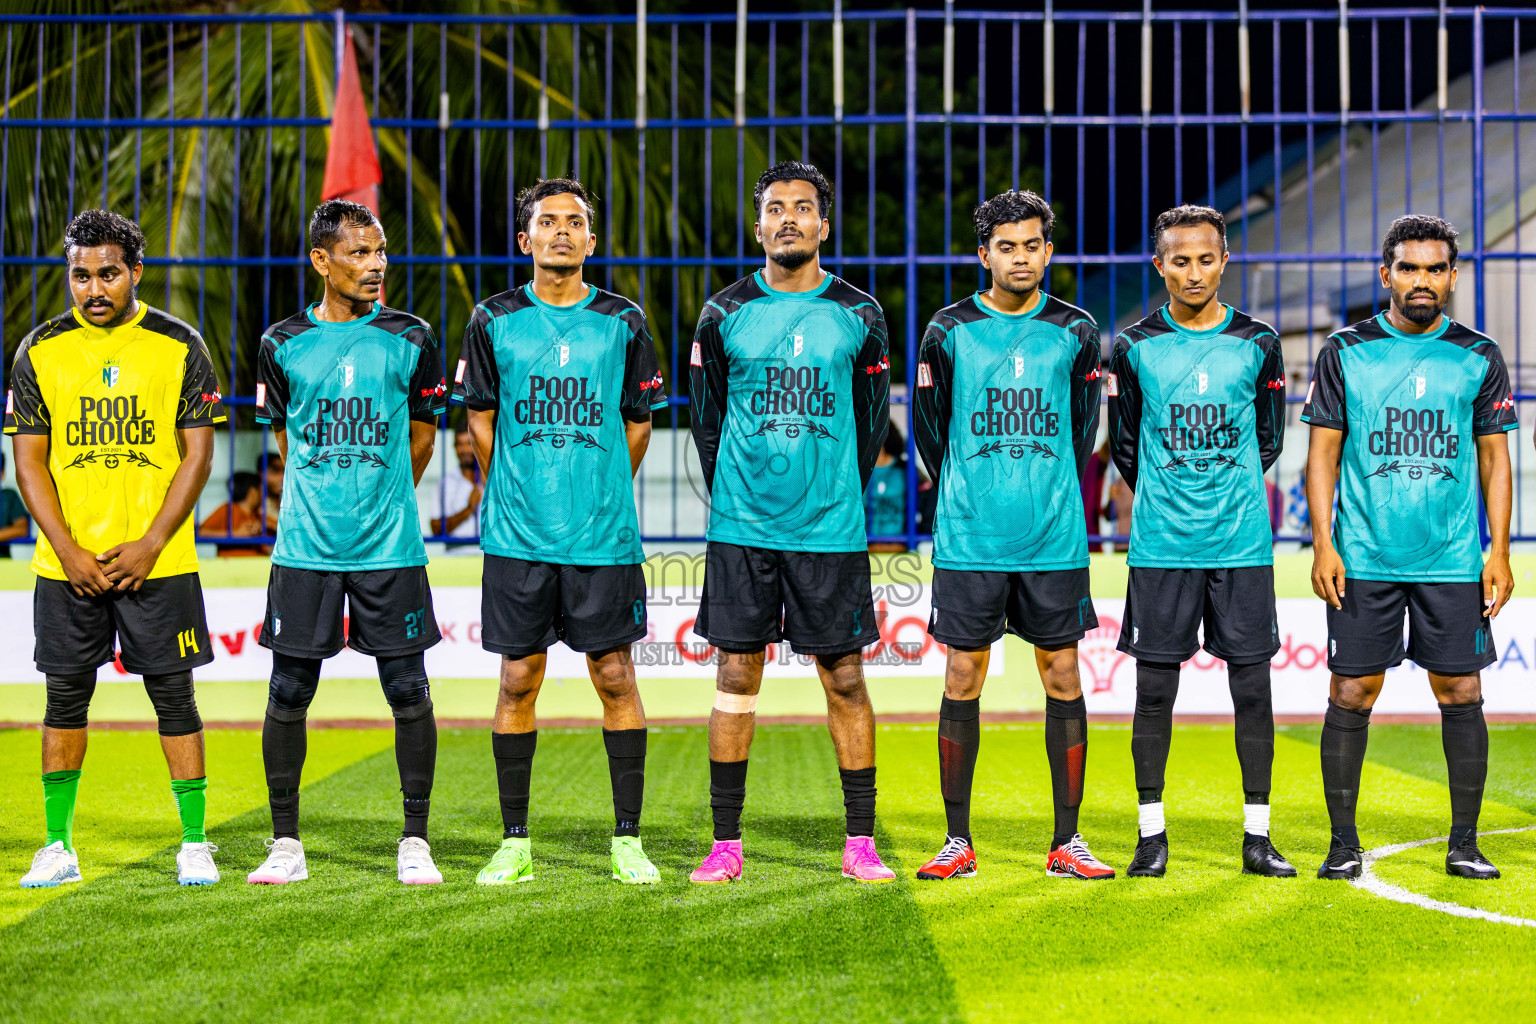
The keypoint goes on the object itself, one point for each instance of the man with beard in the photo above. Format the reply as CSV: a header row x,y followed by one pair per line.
x,y
1408,411
1007,410
790,382
353,391
560,378
111,409
1196,417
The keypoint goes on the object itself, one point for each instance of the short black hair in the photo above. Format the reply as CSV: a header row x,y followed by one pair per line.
x,y
794,170
1417,227
326,222
240,484
529,197
1008,208
1188,216
93,228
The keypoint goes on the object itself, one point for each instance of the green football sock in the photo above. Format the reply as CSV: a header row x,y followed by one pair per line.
x,y
191,804
59,789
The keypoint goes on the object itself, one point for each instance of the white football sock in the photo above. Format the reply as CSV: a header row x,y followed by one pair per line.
x,y
1150,819
1256,819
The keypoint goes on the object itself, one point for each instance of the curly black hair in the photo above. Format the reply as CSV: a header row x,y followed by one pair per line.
x,y
1417,227
1188,216
326,222
93,228
529,197
794,170
1009,208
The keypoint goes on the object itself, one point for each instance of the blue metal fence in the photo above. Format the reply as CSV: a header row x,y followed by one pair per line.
x,y
210,128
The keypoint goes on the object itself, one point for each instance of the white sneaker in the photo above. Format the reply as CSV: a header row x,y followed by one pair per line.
x,y
52,865
194,864
284,863
415,863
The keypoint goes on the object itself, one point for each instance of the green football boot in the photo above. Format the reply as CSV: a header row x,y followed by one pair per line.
x,y
513,862
630,864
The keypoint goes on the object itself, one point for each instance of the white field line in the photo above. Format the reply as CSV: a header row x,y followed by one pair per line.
x,y
1371,884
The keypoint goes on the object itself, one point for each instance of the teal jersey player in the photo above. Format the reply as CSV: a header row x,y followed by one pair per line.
x,y
565,379
346,393
1007,410
791,402
1411,407
1196,418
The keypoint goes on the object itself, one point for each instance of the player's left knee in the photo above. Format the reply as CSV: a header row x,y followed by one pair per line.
x,y
175,703
1249,684
1458,689
405,682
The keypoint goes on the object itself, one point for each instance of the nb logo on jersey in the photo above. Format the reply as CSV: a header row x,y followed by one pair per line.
x,y
1201,382
187,641
1018,367
1418,387
344,374
562,354
109,374
797,342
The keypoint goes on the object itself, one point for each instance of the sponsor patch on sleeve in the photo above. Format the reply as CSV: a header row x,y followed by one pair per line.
x,y
261,396
458,374
1114,384
1311,388
924,376
697,358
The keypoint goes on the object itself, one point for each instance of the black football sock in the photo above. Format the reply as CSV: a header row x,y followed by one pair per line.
x,y
1345,734
1253,726
1464,734
1066,748
727,796
1157,686
626,772
284,744
416,758
859,799
513,752
959,741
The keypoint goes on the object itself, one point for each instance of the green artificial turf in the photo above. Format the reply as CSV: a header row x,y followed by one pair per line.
x,y
794,941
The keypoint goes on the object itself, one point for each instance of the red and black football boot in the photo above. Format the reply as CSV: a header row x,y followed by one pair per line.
x,y
955,859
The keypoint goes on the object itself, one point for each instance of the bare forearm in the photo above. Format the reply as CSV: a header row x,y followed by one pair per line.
x,y
14,532
423,437
482,436
1322,478
1493,469
639,437
186,485
38,491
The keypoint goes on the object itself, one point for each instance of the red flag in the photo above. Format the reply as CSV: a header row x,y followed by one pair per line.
x,y
352,165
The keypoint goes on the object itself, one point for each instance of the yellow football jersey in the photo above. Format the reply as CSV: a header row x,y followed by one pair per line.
x,y
111,402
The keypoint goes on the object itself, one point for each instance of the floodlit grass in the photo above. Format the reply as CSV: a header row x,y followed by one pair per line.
x,y
794,941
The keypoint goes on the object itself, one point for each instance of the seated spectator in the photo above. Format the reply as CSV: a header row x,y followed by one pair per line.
x,y
273,470
460,494
15,524
240,517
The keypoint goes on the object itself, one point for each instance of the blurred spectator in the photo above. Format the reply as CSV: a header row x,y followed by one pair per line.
x,y
461,492
273,470
240,517
1094,475
1276,505
885,499
1118,511
14,522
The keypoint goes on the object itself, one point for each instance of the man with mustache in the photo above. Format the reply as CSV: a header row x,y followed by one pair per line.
x,y
111,410
353,391
1409,412
790,383
1196,417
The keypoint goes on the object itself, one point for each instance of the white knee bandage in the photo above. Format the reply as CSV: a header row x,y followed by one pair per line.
x,y
735,703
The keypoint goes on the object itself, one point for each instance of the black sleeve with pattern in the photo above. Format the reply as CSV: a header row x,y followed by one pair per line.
x,y
271,387
1493,412
872,394
709,378
1124,411
1269,402
477,378
1325,395
935,397
25,410
643,391
428,399
202,403
1087,381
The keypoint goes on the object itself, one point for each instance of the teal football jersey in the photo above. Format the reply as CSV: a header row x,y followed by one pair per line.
x,y
1007,410
790,395
1411,407
346,394
1195,419
563,381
